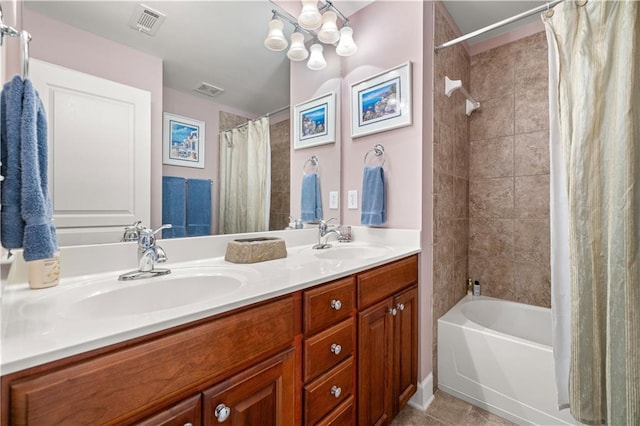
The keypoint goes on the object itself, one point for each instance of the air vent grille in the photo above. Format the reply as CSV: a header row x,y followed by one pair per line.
x,y
146,20
208,89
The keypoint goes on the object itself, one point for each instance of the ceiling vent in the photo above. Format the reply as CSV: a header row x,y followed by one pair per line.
x,y
146,20
208,89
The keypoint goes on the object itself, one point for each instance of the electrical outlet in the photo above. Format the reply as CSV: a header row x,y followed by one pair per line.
x,y
334,196
352,199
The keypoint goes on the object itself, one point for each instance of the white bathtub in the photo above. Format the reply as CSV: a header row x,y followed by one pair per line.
x,y
497,355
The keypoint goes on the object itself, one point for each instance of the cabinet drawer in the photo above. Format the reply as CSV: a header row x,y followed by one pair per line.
x,y
134,380
386,280
343,415
320,354
183,413
328,304
326,392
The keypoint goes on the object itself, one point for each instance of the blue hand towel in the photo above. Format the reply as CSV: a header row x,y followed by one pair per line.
x,y
311,201
12,229
198,207
40,240
173,206
374,210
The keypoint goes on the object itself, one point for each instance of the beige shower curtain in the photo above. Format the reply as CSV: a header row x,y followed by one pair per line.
x,y
598,113
245,178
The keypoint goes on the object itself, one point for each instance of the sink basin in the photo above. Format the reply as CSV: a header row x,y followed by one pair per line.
x,y
344,251
110,298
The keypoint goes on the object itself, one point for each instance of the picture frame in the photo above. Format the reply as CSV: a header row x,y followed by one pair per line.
x,y
183,141
381,102
314,122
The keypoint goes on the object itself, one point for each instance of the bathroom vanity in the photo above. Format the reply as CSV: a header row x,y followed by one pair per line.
x,y
339,348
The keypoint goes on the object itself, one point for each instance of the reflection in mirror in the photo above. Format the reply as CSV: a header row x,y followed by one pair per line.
x,y
220,43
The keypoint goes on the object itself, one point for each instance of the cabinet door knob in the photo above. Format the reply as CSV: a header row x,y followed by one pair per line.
x,y
336,348
188,424
400,306
336,304
336,391
222,413
393,311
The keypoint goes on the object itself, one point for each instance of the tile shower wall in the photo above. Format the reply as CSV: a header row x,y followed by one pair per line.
x,y
450,177
280,159
509,172
280,167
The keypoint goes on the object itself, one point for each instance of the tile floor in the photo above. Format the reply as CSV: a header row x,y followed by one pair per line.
x,y
450,411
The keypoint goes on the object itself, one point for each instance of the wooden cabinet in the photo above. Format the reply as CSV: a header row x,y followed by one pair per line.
x,y
388,340
136,380
185,413
329,368
261,396
336,354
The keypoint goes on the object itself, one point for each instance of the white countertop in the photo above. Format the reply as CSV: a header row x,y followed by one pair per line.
x,y
36,330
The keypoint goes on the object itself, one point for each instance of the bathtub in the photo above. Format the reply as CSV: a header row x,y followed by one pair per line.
x,y
497,355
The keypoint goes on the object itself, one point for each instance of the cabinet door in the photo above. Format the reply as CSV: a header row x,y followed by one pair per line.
x,y
185,413
405,357
374,364
263,395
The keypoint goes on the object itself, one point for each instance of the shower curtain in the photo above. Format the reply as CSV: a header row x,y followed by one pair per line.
x,y
245,178
595,160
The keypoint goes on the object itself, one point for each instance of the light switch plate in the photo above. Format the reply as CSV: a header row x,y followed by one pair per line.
x,y
334,196
352,199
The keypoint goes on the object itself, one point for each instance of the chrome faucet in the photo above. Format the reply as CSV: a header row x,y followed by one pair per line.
x,y
324,232
132,233
148,255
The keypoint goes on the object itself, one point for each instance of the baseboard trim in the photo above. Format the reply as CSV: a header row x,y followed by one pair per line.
x,y
424,394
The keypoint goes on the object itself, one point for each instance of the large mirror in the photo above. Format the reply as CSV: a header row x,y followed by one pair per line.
x,y
214,42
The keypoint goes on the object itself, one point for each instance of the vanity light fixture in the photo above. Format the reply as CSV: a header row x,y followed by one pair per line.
x,y
297,51
316,60
275,39
324,20
310,17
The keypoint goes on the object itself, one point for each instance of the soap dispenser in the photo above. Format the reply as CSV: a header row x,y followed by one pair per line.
x,y
476,288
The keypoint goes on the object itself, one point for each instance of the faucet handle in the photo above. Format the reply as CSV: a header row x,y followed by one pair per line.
x,y
325,223
148,237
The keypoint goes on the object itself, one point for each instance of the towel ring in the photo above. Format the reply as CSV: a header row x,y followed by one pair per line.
x,y
378,150
313,162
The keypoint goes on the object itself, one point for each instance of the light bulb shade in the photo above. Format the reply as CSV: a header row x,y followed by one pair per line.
x,y
297,51
310,17
316,60
329,32
347,46
275,39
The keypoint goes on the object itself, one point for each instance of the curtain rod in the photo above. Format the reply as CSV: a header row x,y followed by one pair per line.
x,y
284,108
502,23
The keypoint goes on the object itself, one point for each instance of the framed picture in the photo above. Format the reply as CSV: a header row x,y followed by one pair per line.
x,y
183,141
314,122
381,102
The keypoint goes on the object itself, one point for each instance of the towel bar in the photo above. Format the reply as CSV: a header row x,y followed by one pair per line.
x,y
378,150
313,162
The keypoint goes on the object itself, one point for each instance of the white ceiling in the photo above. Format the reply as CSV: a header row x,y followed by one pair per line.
x,y
221,42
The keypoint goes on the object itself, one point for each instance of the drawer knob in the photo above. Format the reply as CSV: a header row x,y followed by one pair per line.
x,y
222,413
336,304
400,306
188,424
393,311
336,391
336,348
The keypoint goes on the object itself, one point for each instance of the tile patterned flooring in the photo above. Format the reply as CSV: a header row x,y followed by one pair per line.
x,y
449,411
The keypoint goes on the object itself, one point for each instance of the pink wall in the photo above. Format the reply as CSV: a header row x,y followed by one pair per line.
x,y
196,107
388,34
307,85
70,47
